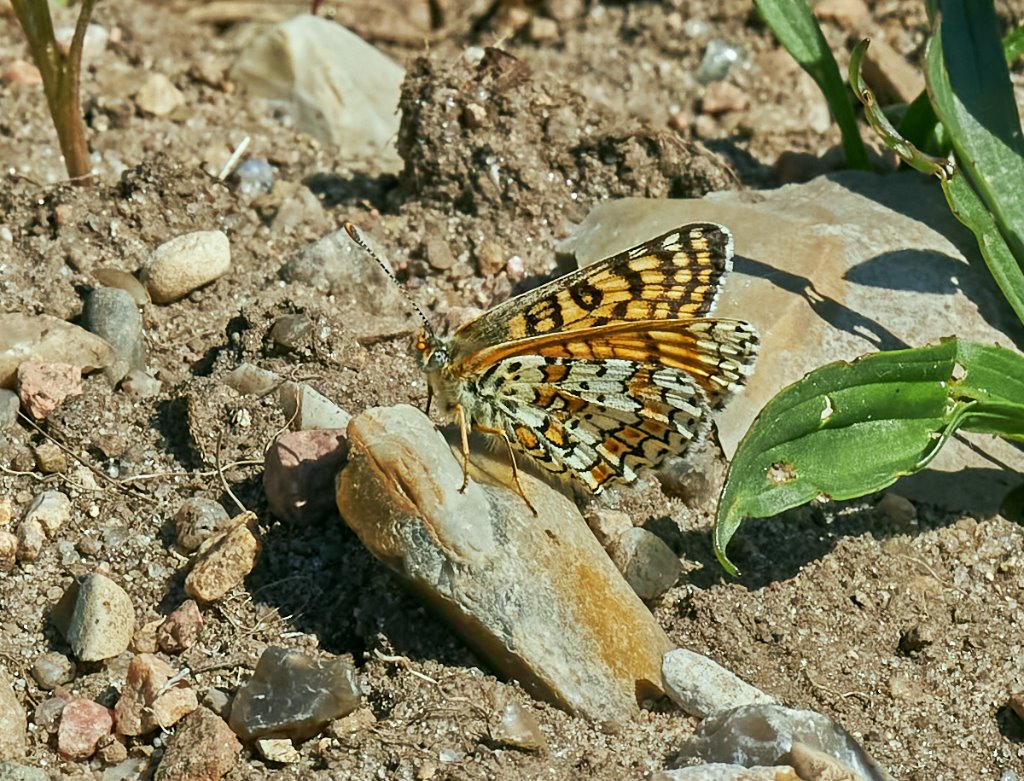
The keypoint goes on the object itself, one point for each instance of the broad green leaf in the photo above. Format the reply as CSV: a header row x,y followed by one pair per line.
x,y
850,429
971,92
795,27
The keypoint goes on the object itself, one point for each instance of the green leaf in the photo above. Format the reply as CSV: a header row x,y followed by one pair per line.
x,y
971,92
1013,45
797,30
1004,267
850,429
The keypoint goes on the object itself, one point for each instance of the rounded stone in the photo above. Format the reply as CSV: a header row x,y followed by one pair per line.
x,y
52,669
185,263
114,315
103,620
197,519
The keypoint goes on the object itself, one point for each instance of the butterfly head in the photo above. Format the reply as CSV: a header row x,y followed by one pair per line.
x,y
432,351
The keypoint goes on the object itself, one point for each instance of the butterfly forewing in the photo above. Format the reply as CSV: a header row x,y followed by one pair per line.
x,y
677,274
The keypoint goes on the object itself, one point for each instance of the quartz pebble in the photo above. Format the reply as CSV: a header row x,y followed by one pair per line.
x,y
298,473
198,519
149,699
645,561
277,750
52,669
309,409
517,727
13,722
103,619
83,723
293,695
181,629
223,561
158,96
251,380
14,771
140,384
185,263
203,748
700,686
762,734
52,509
43,386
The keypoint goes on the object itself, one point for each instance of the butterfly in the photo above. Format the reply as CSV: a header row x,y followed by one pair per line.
x,y
602,372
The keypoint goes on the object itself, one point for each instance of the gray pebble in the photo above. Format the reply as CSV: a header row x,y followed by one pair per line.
x,y
113,314
8,408
52,670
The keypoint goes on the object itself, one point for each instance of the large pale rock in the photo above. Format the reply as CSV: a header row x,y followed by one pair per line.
x,y
537,596
338,88
186,263
47,339
830,270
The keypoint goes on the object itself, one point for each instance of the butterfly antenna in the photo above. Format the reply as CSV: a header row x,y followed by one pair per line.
x,y
357,237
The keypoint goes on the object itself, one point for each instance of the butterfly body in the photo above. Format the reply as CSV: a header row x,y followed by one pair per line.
x,y
607,370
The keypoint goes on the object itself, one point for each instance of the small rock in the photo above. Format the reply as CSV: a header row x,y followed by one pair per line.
x,y
149,700
290,333
701,686
848,14
53,669
141,385
721,96
1016,704
437,251
718,771
219,701
608,524
43,386
298,473
222,563
158,96
50,459
181,629
94,43
185,263
250,380
6,511
542,30
254,176
898,510
114,315
31,537
9,405
13,771
122,280
517,727
760,734
293,695
111,751
890,76
21,73
203,748
719,58
13,722
308,409
46,339
51,509
277,750
103,620
357,721
83,723
649,566
9,550
490,258
47,714
198,519
812,764
337,87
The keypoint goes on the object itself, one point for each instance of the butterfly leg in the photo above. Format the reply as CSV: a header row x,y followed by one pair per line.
x,y
512,460
460,416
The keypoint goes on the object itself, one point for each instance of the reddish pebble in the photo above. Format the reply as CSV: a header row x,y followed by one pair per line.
x,y
21,73
203,748
83,723
299,471
43,386
181,629
147,701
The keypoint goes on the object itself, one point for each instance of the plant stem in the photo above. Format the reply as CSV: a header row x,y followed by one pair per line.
x,y
60,73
